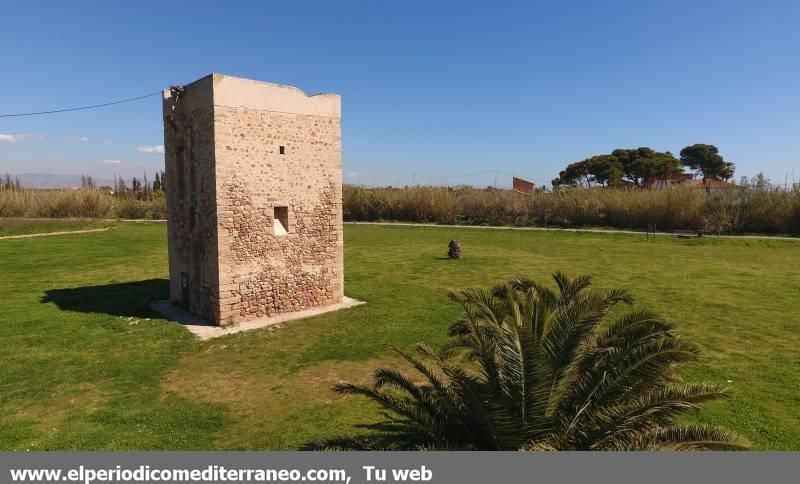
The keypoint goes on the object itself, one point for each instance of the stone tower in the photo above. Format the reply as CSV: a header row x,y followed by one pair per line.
x,y
254,198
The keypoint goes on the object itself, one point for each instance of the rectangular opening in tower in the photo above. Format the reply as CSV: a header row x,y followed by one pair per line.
x,y
280,221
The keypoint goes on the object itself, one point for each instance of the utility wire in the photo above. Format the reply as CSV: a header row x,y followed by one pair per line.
x,y
523,177
79,108
456,176
487,172
413,178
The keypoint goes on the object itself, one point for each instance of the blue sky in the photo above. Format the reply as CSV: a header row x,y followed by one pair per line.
x,y
433,88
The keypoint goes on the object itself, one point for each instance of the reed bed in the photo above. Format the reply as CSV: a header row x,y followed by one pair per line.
x,y
735,210
80,203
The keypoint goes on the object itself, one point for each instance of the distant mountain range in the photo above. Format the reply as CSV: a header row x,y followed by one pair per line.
x,y
49,180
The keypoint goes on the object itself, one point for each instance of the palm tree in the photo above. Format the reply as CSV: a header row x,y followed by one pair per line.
x,y
533,368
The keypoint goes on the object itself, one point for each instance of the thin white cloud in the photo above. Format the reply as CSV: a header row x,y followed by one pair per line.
x,y
76,139
354,174
14,137
152,149
107,142
111,162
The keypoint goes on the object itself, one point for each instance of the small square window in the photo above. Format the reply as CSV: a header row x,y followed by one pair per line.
x,y
282,150
280,221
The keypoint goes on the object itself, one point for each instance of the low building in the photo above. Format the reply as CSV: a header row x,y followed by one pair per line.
x,y
522,186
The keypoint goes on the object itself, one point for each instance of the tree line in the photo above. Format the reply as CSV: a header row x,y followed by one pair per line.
x,y
140,189
639,166
9,183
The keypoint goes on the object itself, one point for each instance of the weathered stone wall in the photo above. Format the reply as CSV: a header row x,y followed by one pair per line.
x,y
191,198
261,273
273,147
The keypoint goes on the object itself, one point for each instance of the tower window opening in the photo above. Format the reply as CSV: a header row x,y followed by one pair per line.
x,y
280,221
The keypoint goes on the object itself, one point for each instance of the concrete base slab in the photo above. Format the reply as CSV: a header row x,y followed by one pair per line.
x,y
205,330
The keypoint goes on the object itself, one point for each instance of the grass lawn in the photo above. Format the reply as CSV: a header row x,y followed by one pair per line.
x,y
85,365
25,226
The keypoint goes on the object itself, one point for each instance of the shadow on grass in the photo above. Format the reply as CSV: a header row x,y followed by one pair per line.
x,y
120,299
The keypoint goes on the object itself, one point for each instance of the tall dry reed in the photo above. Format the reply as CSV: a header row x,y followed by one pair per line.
x,y
82,203
735,210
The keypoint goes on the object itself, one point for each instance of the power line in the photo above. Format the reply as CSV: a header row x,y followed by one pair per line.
x,y
487,172
79,108
523,177
446,178
456,176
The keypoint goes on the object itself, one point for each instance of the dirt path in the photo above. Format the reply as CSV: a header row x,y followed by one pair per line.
x,y
591,231
403,224
45,234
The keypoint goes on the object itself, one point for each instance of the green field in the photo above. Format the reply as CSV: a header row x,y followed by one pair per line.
x,y
25,226
85,365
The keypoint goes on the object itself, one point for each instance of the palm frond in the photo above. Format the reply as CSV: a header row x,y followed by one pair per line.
x,y
571,287
690,437
539,446
615,426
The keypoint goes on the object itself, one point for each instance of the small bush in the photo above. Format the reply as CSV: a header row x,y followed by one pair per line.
x,y
140,209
